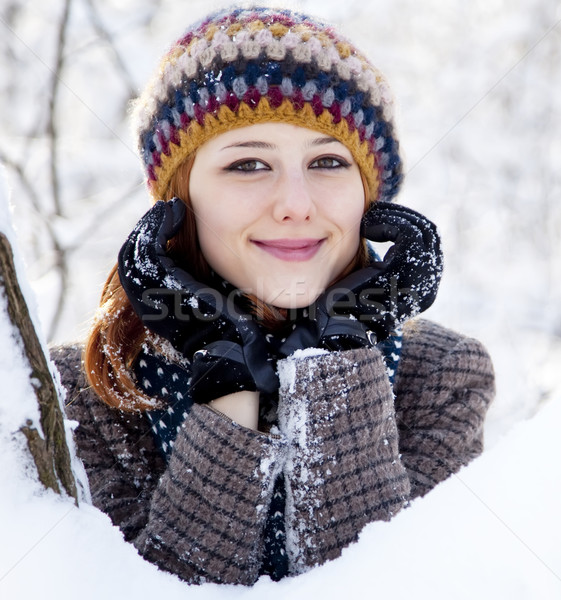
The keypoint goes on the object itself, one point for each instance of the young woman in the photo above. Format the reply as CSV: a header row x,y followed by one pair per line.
x,y
253,391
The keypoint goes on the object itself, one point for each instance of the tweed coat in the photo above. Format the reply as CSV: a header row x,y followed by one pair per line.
x,y
349,449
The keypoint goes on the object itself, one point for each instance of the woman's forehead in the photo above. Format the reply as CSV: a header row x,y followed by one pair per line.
x,y
269,136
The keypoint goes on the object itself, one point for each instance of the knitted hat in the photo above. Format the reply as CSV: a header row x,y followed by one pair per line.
x,y
238,67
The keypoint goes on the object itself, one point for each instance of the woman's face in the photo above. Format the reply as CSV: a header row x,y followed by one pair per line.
x,y
278,210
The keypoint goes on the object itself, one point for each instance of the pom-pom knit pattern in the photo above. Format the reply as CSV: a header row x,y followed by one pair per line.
x,y
245,66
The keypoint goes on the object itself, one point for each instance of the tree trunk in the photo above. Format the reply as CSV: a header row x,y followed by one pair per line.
x,y
50,453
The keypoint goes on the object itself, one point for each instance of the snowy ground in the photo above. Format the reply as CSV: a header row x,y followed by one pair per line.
x,y
479,90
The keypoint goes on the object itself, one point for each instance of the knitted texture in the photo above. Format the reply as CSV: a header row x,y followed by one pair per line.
x,y
157,376
245,66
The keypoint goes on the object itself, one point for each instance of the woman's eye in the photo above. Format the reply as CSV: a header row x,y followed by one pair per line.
x,y
248,166
329,162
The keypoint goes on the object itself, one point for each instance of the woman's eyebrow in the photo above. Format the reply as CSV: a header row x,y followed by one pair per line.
x,y
251,144
323,140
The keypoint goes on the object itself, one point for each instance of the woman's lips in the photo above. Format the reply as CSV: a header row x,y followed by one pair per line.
x,y
291,249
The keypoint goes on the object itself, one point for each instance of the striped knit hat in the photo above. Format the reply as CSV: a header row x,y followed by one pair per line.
x,y
243,66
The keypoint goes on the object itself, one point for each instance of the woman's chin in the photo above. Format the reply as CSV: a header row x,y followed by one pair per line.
x,y
293,301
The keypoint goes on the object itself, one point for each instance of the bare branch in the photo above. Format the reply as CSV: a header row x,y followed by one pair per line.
x,y
61,253
104,34
52,133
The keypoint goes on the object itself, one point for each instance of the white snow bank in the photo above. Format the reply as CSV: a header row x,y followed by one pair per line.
x,y
491,532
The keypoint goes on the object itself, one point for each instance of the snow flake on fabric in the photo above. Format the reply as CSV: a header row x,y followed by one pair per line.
x,y
169,382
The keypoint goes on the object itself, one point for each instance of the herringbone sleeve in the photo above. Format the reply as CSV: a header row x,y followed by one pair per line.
x,y
444,386
208,513
343,468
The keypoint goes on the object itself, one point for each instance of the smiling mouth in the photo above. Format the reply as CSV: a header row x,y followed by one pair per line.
x,y
292,250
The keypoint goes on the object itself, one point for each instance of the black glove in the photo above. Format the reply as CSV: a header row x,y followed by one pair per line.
x,y
227,350
364,307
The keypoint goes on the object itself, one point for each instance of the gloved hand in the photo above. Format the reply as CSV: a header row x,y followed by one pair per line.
x,y
227,350
364,307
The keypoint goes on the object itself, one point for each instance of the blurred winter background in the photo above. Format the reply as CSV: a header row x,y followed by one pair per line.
x,y
478,86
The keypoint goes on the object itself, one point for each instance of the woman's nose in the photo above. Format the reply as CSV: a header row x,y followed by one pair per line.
x,y
293,199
